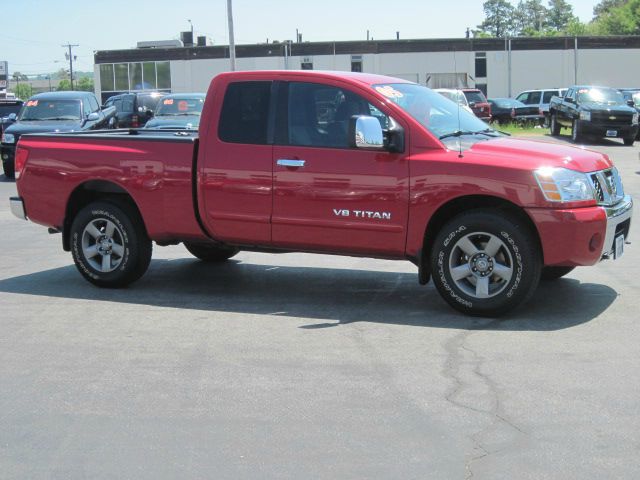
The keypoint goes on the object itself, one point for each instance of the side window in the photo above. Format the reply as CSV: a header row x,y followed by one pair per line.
x,y
245,113
534,98
318,115
93,103
571,94
546,98
86,107
127,104
118,104
524,98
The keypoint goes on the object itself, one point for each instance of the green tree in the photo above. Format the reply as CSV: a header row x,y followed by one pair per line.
x,y
64,85
23,91
498,20
85,84
605,6
619,20
560,15
19,77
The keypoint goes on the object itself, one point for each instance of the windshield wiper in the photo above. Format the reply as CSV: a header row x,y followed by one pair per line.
x,y
459,133
60,118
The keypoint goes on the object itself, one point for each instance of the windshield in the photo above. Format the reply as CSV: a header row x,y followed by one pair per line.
x,y
600,95
50,110
454,96
6,110
180,106
438,114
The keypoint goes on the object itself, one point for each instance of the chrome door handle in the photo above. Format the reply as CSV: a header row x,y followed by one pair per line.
x,y
285,162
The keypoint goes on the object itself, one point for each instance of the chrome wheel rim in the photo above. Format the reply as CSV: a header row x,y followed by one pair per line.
x,y
481,265
103,245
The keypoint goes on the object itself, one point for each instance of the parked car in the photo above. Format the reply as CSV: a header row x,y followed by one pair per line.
x,y
455,95
53,112
632,96
541,99
508,110
399,172
9,110
596,111
133,110
179,110
478,103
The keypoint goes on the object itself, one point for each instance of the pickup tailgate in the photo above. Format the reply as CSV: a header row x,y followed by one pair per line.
x,y
154,168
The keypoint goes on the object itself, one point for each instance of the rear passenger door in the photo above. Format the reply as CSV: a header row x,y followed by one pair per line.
x,y
327,195
235,166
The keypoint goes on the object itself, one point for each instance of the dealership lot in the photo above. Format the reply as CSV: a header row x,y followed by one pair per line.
x,y
306,366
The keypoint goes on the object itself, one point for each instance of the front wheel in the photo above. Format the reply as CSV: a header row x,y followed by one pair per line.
x,y
554,126
109,244
629,141
485,263
9,170
210,253
576,135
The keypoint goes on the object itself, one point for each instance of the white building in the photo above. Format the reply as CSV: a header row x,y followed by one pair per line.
x,y
501,68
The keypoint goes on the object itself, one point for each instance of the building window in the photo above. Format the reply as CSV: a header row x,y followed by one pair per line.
x,y
356,63
134,77
306,64
481,64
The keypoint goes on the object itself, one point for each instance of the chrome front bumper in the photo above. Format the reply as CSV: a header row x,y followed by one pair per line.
x,y
617,215
17,207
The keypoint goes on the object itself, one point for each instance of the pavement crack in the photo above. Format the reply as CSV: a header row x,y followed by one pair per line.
x,y
475,391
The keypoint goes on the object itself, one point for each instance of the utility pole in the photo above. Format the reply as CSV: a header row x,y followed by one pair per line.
x,y
232,43
70,55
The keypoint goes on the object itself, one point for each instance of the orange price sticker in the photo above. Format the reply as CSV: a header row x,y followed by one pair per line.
x,y
168,101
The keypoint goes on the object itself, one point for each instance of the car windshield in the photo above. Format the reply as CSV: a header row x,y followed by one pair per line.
x,y
180,106
50,110
475,97
438,114
8,109
600,95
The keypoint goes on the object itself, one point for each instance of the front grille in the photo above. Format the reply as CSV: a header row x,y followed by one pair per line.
x,y
612,119
607,186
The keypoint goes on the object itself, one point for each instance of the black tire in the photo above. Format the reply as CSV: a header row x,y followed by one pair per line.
x,y
576,136
9,169
128,237
209,252
629,141
554,273
517,253
554,126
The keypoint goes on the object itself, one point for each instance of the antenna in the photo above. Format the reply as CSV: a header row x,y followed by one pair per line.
x,y
455,72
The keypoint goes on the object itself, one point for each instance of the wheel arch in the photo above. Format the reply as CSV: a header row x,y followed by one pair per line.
x,y
91,191
467,203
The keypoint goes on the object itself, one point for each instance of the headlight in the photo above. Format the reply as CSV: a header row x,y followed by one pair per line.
x,y
8,138
563,185
634,119
586,116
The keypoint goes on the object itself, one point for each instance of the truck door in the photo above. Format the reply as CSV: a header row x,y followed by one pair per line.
x,y
235,165
328,196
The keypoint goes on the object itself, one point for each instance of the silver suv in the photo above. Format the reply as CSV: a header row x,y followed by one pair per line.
x,y
541,98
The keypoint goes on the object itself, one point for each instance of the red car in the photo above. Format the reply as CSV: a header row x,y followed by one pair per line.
x,y
330,162
478,103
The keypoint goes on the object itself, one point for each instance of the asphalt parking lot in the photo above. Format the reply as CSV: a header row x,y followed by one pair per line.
x,y
304,366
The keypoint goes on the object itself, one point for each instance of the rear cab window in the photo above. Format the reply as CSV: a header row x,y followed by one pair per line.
x,y
244,116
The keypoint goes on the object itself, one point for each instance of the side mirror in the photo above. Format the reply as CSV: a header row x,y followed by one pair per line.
x,y
472,104
149,113
93,117
631,103
365,132
12,117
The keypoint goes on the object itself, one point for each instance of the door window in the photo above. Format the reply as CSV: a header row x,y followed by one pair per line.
x,y
245,113
318,115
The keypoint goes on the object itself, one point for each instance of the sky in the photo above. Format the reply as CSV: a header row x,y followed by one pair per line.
x,y
32,41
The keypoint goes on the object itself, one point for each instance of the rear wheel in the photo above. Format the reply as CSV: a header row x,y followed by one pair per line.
x,y
554,273
485,263
109,244
209,252
9,170
554,126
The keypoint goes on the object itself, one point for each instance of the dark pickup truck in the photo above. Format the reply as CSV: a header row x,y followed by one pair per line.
x,y
594,111
53,112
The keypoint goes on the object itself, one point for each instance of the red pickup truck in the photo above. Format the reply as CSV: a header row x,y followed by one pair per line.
x,y
330,162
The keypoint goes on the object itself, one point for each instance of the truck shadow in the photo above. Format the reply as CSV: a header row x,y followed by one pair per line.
x,y
334,296
588,141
